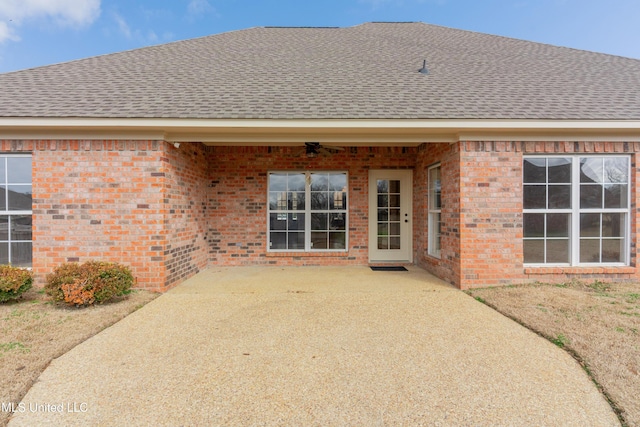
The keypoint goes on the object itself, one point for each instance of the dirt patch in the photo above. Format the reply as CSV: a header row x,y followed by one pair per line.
x,y
598,323
33,331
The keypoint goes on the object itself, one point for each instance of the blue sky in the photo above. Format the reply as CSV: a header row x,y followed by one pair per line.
x,y
41,32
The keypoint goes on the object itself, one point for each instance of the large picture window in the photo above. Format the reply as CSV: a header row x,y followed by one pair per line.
x,y
576,210
308,211
15,210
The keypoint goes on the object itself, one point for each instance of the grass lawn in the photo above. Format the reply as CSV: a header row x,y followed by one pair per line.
x,y
599,324
33,332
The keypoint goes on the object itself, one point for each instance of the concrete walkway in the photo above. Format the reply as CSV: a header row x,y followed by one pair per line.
x,y
315,346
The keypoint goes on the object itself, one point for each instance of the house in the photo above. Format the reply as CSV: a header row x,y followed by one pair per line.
x,y
482,159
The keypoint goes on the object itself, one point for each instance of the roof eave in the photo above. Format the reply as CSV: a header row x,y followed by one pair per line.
x,y
295,131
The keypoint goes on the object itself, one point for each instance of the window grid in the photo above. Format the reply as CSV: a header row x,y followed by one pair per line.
x,y
314,218
592,228
16,210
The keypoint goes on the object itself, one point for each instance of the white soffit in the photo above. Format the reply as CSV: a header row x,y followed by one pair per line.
x,y
290,132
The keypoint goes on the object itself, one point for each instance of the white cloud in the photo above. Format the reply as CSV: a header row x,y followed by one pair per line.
x,y
6,33
65,13
199,7
122,25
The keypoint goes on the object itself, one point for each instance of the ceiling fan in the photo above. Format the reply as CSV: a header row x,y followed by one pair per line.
x,y
314,149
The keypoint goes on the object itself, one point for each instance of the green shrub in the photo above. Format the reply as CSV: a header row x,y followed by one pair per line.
x,y
93,282
14,282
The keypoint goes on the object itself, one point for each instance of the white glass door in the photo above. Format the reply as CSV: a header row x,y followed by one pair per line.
x,y
390,227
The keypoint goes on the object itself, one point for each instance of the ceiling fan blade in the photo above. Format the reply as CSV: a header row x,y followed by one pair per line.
x,y
333,148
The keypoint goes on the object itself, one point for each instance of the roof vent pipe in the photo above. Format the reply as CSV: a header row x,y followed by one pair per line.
x,y
424,70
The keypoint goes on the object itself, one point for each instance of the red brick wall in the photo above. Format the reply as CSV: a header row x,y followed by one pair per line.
x,y
447,266
99,200
237,232
185,221
169,212
490,214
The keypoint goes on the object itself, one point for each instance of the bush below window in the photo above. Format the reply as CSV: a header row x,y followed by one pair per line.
x,y
93,282
14,282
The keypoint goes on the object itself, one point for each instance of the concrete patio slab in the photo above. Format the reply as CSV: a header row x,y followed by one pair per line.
x,y
314,346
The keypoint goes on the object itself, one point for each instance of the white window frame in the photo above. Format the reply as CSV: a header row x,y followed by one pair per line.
x,y
434,213
575,212
308,245
13,213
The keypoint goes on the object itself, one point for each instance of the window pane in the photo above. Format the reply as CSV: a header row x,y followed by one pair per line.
x,y
394,214
591,196
591,169
613,225
394,186
21,227
560,170
559,197
383,214
19,197
535,197
383,229
21,254
615,196
533,225
296,182
383,201
394,201
612,250
535,170
278,182
558,225
18,170
319,182
590,225
394,242
276,200
319,240
4,253
337,240
589,250
296,201
534,251
4,227
338,182
3,170
277,221
295,221
558,251
338,200
319,221
394,227
383,242
616,169
337,221
3,198
383,186
320,201
278,240
295,241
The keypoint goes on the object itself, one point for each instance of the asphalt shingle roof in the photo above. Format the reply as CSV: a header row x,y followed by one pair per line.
x,y
369,71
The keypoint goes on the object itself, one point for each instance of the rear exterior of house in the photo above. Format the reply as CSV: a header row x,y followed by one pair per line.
x,y
506,162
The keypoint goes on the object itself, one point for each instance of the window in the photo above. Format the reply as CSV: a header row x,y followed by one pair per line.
x,y
308,211
15,210
435,205
576,210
